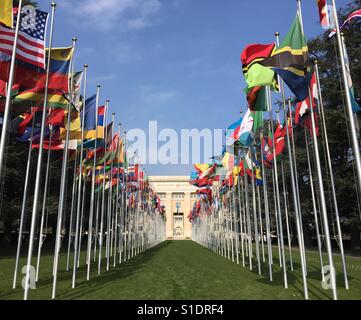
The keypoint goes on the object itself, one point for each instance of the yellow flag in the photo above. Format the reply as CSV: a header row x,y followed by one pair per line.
x,y
6,12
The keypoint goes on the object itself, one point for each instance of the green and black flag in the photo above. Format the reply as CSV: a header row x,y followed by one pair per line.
x,y
291,62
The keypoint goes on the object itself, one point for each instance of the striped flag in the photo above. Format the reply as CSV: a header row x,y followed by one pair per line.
x,y
31,41
353,15
322,11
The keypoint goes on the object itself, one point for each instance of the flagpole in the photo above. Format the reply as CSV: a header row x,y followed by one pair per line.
x,y
266,209
328,154
77,235
235,219
319,242
255,218
63,181
245,222
23,206
81,223
294,191
354,139
109,213
92,192
103,190
297,186
286,215
240,212
96,234
323,202
40,155
122,211
117,200
230,220
278,204
249,236
260,215
40,240
9,90
74,194
317,155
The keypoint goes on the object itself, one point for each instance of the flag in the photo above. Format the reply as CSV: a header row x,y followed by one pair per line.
x,y
255,53
77,80
257,99
257,120
355,105
29,76
279,139
31,39
101,112
201,167
31,98
89,116
354,15
56,117
91,131
259,75
257,174
255,74
208,172
228,161
6,12
267,144
251,122
233,131
303,107
323,13
35,114
121,154
291,62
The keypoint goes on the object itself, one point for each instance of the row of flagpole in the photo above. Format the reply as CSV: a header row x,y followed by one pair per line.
x,y
125,210
231,216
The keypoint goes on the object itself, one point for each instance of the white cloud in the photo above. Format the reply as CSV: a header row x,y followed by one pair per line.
x,y
156,96
124,53
101,78
161,97
121,14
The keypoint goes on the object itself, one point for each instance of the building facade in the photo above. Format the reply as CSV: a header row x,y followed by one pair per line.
x,y
178,197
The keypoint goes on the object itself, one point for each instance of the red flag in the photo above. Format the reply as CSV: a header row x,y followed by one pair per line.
x,y
254,53
57,117
2,88
323,14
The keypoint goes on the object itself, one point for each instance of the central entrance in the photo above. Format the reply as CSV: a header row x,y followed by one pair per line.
x,y
178,225
178,197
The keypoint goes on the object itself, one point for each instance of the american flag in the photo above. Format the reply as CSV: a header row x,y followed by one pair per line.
x,y
31,40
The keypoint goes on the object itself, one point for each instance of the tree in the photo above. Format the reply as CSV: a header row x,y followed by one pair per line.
x,y
324,50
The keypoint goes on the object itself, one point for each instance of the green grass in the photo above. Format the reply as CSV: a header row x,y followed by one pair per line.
x,y
182,270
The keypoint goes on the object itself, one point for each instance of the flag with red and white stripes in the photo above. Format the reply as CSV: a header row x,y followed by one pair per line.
x,y
353,15
31,40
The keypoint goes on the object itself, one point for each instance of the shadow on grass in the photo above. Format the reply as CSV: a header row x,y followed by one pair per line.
x,y
96,281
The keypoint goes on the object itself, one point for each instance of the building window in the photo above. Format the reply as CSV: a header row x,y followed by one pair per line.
x,y
193,196
161,195
177,195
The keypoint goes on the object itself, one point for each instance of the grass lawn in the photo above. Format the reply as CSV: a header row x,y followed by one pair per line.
x,y
182,270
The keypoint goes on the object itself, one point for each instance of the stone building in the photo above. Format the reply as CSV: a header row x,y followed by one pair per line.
x,y
178,197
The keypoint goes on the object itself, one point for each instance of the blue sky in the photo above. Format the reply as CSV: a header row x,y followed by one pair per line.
x,y
175,61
